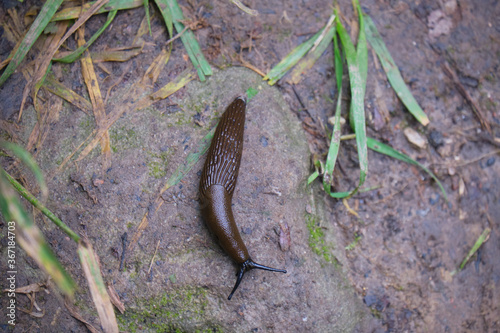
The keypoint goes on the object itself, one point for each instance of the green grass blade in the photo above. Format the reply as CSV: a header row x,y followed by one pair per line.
x,y
306,63
167,16
278,71
28,160
36,29
333,151
74,12
362,46
146,9
312,177
392,72
188,39
482,238
357,113
251,92
389,151
34,201
31,238
73,56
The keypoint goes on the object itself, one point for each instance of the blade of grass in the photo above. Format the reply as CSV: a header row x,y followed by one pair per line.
x,y
278,71
37,204
74,55
28,160
146,10
244,8
389,151
90,265
31,238
188,39
335,141
55,87
72,13
180,81
118,55
392,72
36,29
357,114
313,55
167,16
90,79
480,241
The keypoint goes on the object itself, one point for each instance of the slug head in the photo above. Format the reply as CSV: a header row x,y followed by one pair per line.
x,y
248,265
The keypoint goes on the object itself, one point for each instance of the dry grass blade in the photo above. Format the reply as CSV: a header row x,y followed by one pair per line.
x,y
42,65
75,314
118,55
154,70
74,12
34,287
91,268
48,114
244,8
90,79
115,299
46,58
69,57
93,139
55,87
36,29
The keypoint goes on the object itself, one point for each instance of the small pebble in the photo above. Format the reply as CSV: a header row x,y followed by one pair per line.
x,y
263,141
436,138
423,212
490,161
434,199
415,138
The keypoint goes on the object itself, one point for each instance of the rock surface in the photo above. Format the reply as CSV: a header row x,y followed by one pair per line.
x,y
177,277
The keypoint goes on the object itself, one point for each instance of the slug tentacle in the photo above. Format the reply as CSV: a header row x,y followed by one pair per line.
x,y
217,183
248,265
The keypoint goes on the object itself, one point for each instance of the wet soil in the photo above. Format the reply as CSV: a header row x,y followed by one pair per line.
x,y
399,252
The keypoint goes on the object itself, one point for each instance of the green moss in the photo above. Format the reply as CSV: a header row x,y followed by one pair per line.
x,y
353,243
317,239
157,164
169,313
123,138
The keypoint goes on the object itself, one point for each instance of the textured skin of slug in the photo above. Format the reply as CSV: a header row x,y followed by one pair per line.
x,y
218,180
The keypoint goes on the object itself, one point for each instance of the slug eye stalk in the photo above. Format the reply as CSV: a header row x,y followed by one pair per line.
x,y
248,265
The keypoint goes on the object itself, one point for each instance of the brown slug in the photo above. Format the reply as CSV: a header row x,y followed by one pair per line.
x,y
217,184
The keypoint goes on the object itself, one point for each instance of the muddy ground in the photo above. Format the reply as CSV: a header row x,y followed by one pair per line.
x,y
398,254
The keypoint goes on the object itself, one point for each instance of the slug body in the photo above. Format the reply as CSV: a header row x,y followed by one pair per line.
x,y
217,184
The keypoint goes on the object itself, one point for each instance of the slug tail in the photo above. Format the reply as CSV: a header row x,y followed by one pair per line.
x,y
248,265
